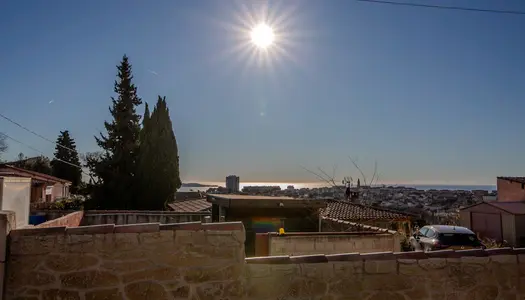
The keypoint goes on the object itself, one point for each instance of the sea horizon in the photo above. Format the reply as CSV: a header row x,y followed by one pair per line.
x,y
300,185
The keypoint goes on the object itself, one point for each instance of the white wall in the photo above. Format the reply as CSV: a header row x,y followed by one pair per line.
x,y
15,196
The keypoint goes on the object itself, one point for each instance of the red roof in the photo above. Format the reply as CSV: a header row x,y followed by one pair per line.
x,y
196,205
9,170
348,211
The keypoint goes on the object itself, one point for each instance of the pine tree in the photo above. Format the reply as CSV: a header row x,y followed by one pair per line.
x,y
159,159
116,168
66,159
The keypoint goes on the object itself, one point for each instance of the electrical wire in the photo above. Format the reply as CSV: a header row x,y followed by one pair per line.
x,y
31,131
513,12
36,150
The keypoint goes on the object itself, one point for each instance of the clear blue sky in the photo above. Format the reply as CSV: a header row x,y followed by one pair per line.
x,y
432,95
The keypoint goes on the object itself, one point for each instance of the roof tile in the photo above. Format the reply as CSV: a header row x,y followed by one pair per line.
x,y
196,205
357,212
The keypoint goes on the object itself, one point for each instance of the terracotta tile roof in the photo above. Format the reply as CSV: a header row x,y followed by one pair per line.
x,y
196,205
347,211
514,179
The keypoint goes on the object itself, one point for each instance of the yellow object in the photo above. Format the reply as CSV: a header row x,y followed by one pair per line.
x,y
281,230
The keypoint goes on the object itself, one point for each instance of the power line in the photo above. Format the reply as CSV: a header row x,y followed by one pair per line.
x,y
31,131
42,153
512,12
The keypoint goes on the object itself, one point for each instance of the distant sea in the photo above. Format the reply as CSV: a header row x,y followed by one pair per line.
x,y
318,185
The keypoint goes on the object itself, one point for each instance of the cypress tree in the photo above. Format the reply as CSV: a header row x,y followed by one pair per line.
x,y
66,158
116,168
159,160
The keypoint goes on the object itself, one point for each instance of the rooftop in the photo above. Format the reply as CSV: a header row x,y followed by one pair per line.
x,y
513,179
514,208
229,200
348,211
195,205
9,170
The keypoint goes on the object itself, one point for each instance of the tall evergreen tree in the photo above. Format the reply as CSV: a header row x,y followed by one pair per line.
x,y
159,159
116,167
66,159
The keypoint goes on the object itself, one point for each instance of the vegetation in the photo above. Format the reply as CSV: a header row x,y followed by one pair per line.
x,y
137,167
66,160
71,203
115,169
40,164
158,164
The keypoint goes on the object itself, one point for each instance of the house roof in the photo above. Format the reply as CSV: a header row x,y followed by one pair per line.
x,y
9,170
195,205
348,211
513,179
514,208
231,200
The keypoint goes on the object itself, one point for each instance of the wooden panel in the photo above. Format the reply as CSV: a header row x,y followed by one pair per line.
x,y
487,225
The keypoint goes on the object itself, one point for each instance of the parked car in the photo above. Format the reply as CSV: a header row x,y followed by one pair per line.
x,y
442,237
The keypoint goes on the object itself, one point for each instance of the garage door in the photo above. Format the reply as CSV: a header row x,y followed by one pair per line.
x,y
487,225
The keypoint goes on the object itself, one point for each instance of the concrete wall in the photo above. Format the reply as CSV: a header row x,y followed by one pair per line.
x,y
331,243
510,191
134,217
92,217
70,220
146,261
206,261
15,196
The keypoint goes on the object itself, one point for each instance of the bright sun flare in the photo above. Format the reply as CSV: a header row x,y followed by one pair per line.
x,y
262,36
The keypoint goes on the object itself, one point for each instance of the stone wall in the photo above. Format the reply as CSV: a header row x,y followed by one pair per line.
x,y
468,275
135,217
70,220
331,243
206,261
146,261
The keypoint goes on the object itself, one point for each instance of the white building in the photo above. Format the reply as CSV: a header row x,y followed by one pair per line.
x,y
232,183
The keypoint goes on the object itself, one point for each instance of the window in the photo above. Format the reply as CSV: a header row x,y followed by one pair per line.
x,y
423,231
430,233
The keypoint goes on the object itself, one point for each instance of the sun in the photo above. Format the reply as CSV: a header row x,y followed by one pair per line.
x,y
262,36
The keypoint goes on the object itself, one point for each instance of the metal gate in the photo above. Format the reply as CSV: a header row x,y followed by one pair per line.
x,y
487,225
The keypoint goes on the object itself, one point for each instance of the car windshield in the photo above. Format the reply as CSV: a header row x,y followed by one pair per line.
x,y
458,239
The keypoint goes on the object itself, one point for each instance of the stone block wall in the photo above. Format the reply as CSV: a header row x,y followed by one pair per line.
x,y
195,261
331,243
145,261
462,275
70,220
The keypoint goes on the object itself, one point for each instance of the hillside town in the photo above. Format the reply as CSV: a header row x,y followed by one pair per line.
x,y
441,204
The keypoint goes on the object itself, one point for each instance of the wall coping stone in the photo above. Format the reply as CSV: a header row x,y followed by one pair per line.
x,y
340,233
321,258
131,228
141,212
